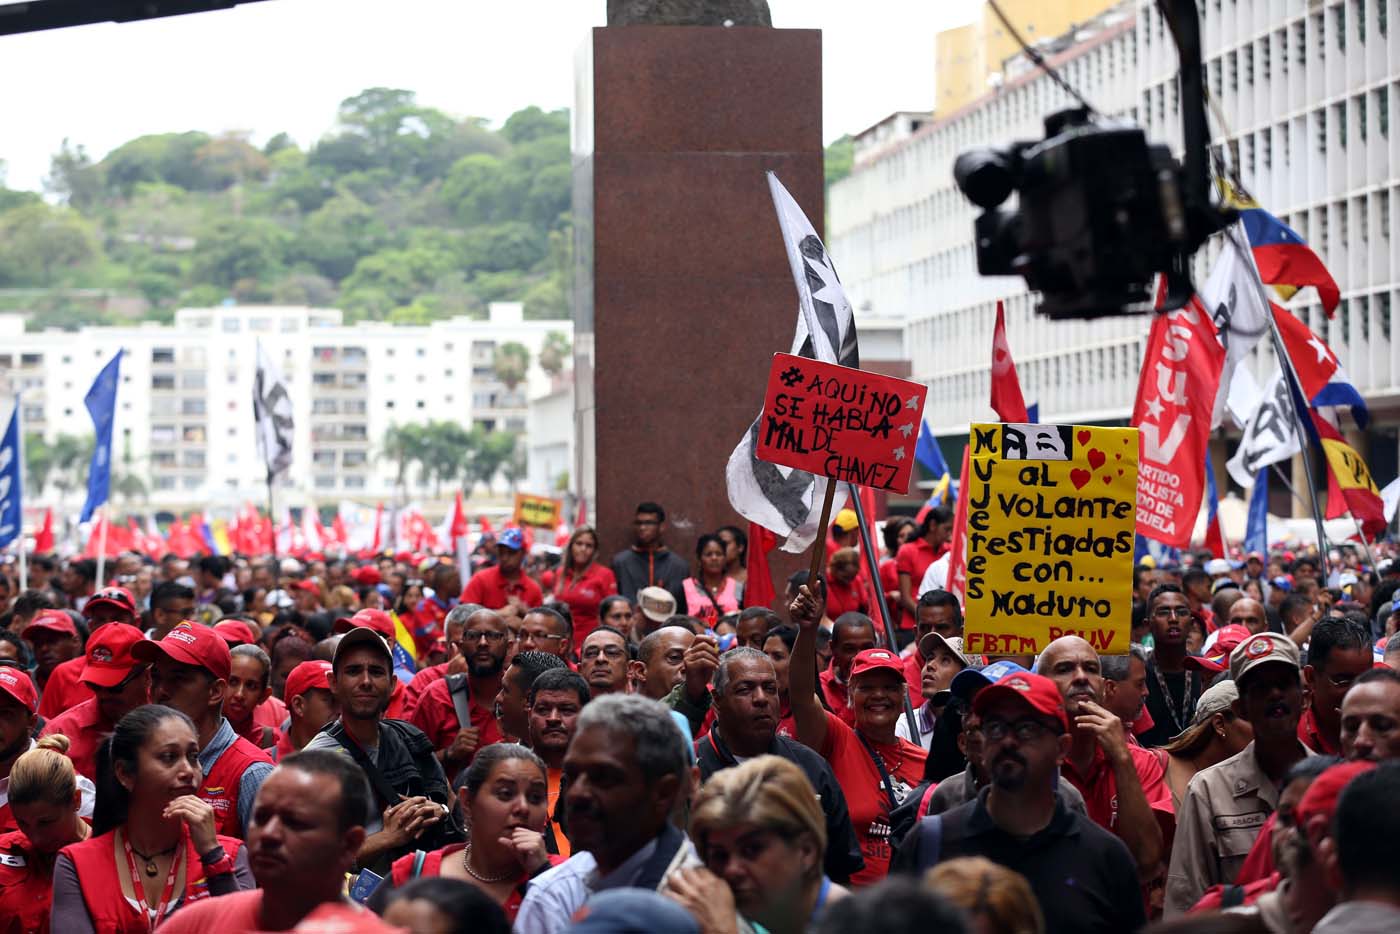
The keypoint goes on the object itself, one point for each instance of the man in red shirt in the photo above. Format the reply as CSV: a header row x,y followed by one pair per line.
x,y
455,664
913,559
845,589
1338,652
119,684
383,624
310,703
65,687
938,612
190,671
306,830
484,643
505,586
18,707
54,638
1123,785
851,634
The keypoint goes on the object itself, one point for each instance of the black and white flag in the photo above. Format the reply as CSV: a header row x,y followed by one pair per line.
x,y
783,500
1270,435
272,412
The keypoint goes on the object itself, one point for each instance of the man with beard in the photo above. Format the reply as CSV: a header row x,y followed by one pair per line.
x,y
1173,687
555,700
1123,785
627,770
746,703
119,684
604,660
1228,804
440,711
512,702
1371,717
1081,874
382,623
406,780
1338,653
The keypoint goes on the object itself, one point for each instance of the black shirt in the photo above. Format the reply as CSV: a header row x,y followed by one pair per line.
x,y
1083,876
1165,724
843,858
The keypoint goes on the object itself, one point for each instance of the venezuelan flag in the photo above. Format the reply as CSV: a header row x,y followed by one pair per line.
x,y
403,648
1284,258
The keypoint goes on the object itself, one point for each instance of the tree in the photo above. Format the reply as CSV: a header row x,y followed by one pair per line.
x,y
532,123
510,363
516,466
129,486
489,452
839,156
404,445
71,457
38,463
236,252
40,244
448,447
74,177
555,352
230,159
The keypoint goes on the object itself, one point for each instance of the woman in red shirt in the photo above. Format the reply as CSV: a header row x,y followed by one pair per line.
x,y
154,848
504,800
582,582
897,530
44,800
711,593
913,560
875,768
846,591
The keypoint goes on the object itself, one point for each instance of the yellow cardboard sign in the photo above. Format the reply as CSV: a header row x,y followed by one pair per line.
x,y
1050,535
539,511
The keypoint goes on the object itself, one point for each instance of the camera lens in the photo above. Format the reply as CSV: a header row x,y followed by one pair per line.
x,y
984,175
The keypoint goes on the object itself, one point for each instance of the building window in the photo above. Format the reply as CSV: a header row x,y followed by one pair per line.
x,y
1383,108
193,434
162,354
192,407
323,458
325,481
1361,18
323,379
355,458
353,482
163,381
193,459
191,483
231,325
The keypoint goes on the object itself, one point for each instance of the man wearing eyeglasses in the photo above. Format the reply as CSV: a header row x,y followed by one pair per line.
x,y
456,713
1338,653
1082,875
545,629
603,661
1173,684
119,685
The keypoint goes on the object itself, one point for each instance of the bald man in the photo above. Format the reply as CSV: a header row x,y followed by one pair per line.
x,y
1124,785
1249,613
660,664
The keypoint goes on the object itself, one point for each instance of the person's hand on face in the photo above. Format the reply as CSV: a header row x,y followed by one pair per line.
x,y
1107,728
198,815
707,897
528,847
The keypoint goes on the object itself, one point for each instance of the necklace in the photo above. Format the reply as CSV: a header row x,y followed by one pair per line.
x,y
1184,712
467,865
150,866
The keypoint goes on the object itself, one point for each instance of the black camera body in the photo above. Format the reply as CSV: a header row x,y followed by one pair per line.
x,y
1100,210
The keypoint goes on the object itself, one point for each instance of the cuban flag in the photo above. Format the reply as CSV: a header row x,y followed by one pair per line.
x,y
1215,536
1324,382
1284,259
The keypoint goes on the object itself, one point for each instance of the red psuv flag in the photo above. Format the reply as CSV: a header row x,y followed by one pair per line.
x,y
1007,400
1176,393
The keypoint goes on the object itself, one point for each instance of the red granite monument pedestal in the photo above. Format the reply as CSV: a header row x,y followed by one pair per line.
x,y
683,289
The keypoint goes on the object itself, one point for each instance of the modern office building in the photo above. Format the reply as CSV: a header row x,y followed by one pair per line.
x,y
184,421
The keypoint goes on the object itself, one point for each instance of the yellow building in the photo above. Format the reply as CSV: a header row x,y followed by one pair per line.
x,y
968,56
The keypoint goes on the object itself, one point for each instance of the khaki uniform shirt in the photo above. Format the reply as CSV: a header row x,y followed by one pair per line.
x,y
1224,808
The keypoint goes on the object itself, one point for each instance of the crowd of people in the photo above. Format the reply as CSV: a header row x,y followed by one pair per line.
x,y
374,743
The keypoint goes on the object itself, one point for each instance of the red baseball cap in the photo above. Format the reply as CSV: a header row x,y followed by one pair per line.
x,y
118,597
1321,796
109,654
52,621
1036,691
309,674
307,585
366,576
17,684
377,620
189,643
875,660
235,632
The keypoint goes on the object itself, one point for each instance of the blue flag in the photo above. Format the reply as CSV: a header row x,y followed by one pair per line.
x,y
1033,413
101,402
1256,530
10,491
928,453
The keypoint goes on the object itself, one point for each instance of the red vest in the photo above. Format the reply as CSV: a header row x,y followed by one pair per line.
x,y
26,889
95,862
220,786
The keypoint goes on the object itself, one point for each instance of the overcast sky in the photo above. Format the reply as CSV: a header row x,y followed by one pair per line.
x,y
284,65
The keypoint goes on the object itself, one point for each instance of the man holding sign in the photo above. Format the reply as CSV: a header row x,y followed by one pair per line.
x,y
1050,537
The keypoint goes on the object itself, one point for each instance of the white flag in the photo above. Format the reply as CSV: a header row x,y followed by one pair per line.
x,y
1270,435
358,521
272,414
1241,318
783,500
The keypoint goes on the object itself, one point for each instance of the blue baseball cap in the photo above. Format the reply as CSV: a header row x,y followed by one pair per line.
x,y
631,911
513,539
970,680
1282,583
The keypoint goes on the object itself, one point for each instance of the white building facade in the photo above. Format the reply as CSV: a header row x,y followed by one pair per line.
x,y
1311,95
184,421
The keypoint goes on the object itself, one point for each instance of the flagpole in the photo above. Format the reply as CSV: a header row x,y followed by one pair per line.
x,y
873,564
1241,243
271,514
102,545
19,453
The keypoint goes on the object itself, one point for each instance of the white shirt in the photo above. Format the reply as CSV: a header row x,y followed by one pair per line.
x,y
554,895
85,788
936,577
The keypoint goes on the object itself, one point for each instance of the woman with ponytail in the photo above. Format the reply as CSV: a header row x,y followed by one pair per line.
x,y
153,847
44,800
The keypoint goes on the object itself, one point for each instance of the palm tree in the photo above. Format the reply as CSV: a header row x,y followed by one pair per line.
x,y
404,445
554,352
511,361
71,457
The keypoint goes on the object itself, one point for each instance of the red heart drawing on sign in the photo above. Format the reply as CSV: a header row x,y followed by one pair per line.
x,y
1107,481
1079,478
1096,458
1120,472
1084,437
1118,457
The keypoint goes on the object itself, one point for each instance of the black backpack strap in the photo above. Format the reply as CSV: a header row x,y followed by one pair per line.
x,y
380,784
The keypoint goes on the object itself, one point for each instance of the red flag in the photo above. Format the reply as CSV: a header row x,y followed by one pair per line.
x,y
94,546
1349,476
485,526
377,544
582,513
759,589
957,549
43,539
1175,399
1007,400
338,530
459,526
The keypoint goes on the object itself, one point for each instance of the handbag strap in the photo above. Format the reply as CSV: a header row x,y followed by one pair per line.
x,y
458,689
879,764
